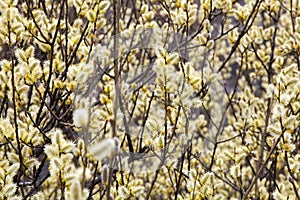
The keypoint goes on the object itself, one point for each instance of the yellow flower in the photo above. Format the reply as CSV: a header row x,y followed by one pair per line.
x,y
288,147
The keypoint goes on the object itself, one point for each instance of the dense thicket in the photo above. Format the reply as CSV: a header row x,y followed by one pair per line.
x,y
149,99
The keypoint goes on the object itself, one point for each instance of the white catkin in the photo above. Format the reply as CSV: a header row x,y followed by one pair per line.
x,y
104,174
102,149
80,117
76,190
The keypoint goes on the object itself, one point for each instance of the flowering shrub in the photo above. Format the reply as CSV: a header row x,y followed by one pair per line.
x,y
111,99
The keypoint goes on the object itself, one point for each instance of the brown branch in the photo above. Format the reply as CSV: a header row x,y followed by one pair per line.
x,y
262,167
19,152
243,32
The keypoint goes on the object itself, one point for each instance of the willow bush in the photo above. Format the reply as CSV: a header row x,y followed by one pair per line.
x,y
149,99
